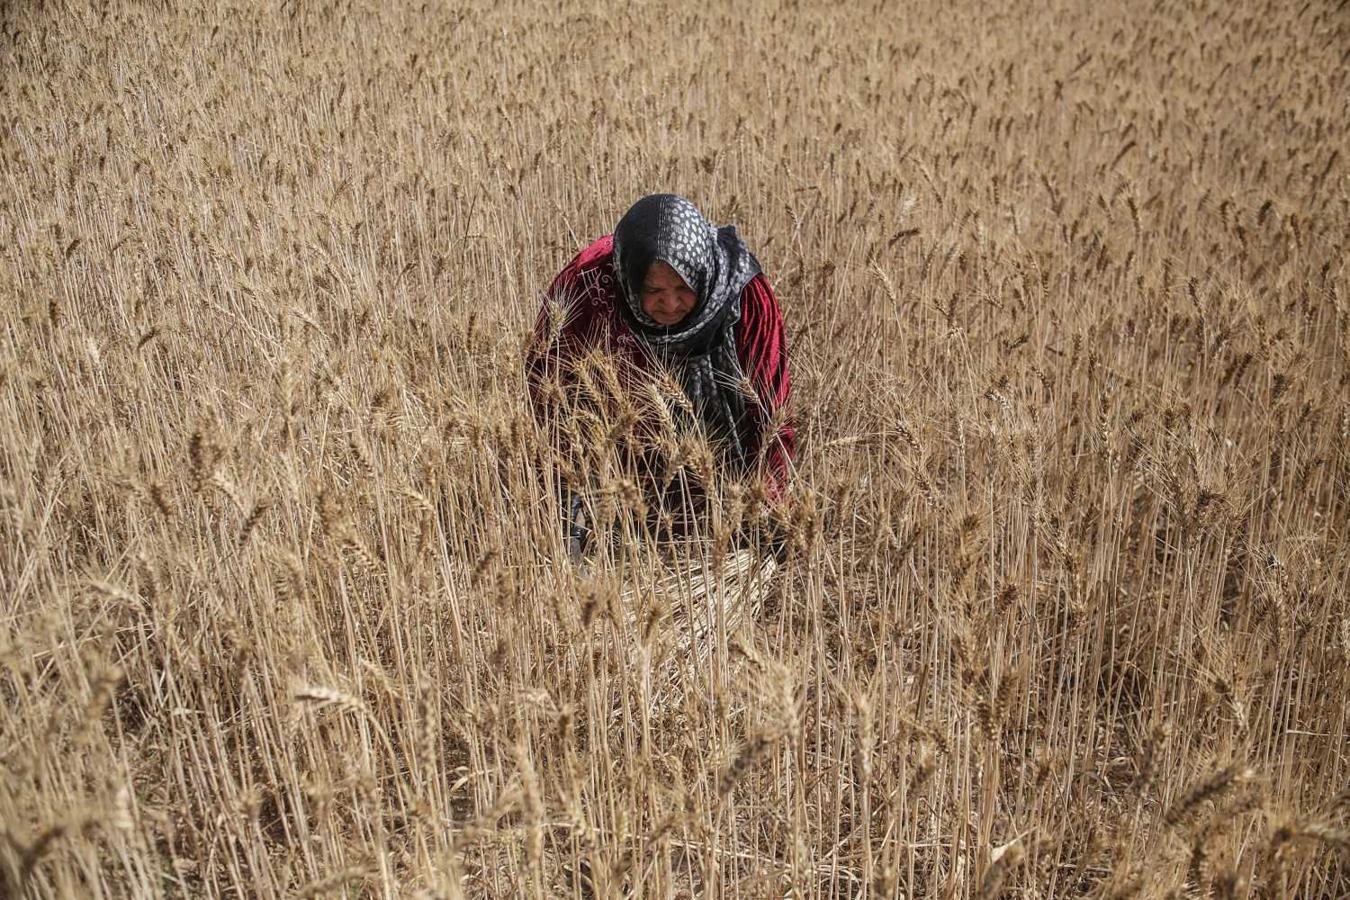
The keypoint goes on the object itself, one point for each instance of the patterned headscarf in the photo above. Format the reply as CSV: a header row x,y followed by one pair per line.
x,y
700,349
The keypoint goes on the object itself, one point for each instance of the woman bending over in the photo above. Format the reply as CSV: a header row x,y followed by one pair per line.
x,y
668,294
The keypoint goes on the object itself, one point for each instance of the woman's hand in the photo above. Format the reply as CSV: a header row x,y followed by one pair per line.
x,y
577,525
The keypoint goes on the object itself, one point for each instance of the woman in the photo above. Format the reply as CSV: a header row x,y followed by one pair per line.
x,y
668,293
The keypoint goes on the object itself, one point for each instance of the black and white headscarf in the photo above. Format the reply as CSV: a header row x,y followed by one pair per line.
x,y
700,349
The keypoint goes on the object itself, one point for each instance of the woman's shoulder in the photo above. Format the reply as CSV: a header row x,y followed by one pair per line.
x,y
591,271
599,252
757,297
598,256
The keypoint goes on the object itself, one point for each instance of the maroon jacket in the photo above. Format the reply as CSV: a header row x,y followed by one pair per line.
x,y
592,318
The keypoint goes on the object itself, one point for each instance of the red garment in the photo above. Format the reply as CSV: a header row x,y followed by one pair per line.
x,y
587,287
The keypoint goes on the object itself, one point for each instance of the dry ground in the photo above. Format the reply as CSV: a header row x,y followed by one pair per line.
x,y
1065,611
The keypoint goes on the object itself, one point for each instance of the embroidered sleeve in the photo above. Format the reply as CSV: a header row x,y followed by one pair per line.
x,y
569,322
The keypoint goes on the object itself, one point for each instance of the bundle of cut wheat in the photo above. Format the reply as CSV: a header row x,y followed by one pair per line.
x,y
708,601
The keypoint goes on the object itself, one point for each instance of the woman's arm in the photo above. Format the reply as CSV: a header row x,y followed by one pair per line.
x,y
568,323
762,348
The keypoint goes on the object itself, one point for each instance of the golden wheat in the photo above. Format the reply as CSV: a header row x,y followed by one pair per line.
x,y
1062,607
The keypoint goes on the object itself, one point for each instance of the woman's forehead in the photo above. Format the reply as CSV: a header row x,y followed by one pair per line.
x,y
661,271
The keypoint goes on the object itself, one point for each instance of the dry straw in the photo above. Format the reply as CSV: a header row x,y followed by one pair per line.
x,y
285,606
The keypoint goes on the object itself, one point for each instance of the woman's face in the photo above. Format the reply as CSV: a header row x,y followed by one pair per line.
x,y
665,296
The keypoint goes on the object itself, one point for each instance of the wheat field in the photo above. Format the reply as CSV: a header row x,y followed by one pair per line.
x,y
284,608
